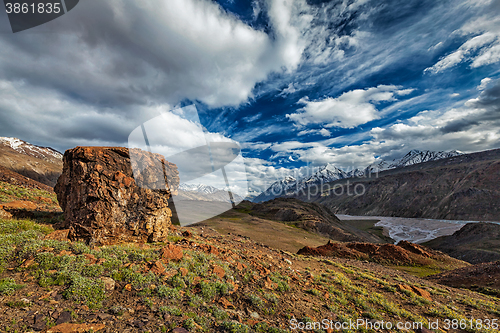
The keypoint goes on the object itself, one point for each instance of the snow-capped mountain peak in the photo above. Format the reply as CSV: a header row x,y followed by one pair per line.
x,y
330,173
417,156
26,148
325,174
200,188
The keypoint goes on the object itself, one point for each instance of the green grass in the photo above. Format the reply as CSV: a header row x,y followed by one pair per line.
x,y
15,226
9,192
8,286
420,271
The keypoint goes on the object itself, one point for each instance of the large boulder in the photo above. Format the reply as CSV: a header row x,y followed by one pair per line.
x,y
104,203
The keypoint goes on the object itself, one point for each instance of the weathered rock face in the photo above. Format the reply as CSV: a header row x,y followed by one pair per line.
x,y
104,204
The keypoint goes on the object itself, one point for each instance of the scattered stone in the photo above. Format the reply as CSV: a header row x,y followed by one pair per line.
x,y
252,322
225,303
104,316
117,310
109,283
64,317
4,214
46,200
90,257
217,270
210,249
183,271
39,322
76,328
158,268
137,323
254,315
270,284
128,287
27,263
180,330
187,234
108,197
421,292
416,290
171,252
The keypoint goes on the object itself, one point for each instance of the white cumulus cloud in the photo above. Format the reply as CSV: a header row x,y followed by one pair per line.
x,y
351,109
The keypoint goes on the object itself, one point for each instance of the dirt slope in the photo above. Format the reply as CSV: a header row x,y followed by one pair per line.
x,y
482,277
474,243
43,170
311,217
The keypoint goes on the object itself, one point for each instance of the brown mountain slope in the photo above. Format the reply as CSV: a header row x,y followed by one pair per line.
x,y
474,243
483,277
44,168
13,178
313,218
459,188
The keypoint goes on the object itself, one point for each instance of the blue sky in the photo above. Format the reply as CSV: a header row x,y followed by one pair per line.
x,y
296,82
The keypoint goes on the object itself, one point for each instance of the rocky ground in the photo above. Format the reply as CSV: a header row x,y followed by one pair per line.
x,y
203,281
199,280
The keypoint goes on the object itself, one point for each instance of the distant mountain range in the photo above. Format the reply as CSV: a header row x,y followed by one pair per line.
x,y
330,173
464,187
41,164
201,192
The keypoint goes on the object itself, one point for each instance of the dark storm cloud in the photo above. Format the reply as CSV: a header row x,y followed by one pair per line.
x,y
107,66
459,125
488,106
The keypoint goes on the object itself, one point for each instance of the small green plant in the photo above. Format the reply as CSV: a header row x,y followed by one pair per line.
x,y
167,292
19,304
195,301
235,327
8,286
171,310
218,313
208,290
148,302
256,301
272,298
87,290
189,324
313,291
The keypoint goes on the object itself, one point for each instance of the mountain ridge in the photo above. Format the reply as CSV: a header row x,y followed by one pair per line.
x,y
329,173
41,164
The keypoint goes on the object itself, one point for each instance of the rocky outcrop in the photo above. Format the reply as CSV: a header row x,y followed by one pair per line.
x,y
108,197
305,215
404,253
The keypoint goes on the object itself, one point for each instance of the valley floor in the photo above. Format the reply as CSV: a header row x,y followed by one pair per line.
x,y
415,230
